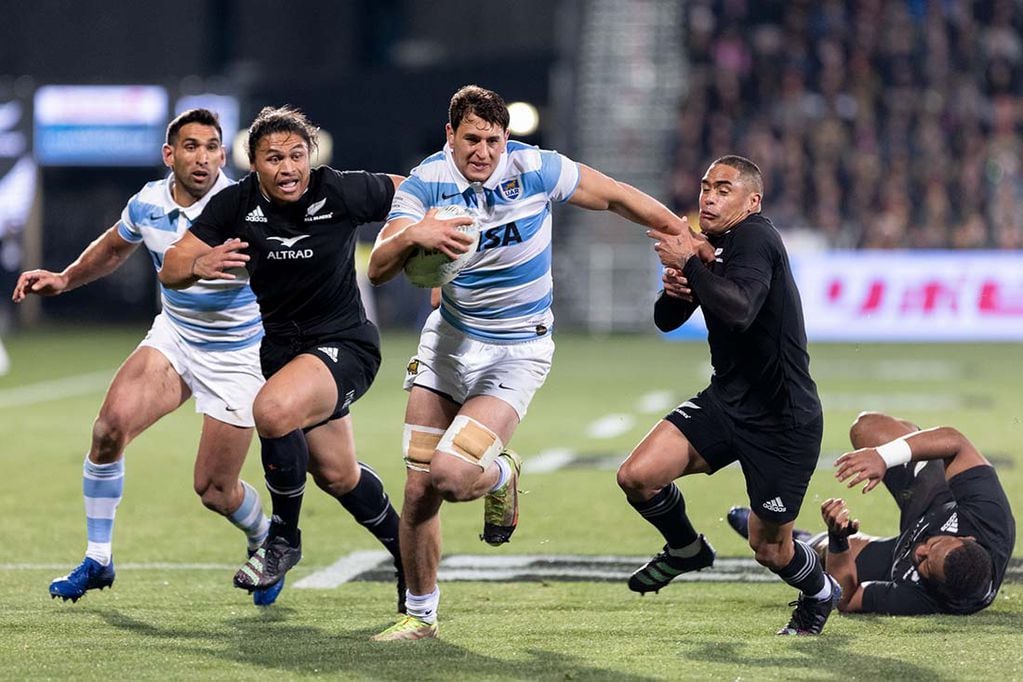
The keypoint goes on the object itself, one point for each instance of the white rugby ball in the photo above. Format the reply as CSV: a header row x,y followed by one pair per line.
x,y
431,268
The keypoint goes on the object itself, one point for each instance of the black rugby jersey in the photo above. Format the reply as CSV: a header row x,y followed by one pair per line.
x,y
980,509
301,263
755,322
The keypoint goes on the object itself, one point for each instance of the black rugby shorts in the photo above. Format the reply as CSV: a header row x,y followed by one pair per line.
x,y
777,465
353,365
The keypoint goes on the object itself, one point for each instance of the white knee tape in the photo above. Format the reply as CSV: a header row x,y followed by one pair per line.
x,y
471,441
418,444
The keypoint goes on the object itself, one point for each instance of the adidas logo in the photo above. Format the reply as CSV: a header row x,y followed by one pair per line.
x,y
256,216
775,505
952,525
329,352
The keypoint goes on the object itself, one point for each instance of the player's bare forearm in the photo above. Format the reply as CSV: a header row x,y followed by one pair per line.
x,y
390,251
178,264
842,568
599,192
99,259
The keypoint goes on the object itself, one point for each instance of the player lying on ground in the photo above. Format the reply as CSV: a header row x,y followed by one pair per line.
x,y
956,529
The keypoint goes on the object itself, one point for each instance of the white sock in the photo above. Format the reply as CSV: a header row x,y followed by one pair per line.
x,y
825,592
690,550
423,607
504,472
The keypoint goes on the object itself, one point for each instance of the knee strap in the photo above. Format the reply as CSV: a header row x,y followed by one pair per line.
x,y
471,441
418,444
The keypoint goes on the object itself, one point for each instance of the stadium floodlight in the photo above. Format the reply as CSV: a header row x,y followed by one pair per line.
x,y
525,118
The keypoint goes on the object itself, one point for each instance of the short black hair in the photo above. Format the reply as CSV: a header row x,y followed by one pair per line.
x,y
202,116
748,171
285,119
486,104
968,570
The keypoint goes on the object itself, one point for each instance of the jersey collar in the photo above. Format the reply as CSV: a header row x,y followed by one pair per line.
x,y
491,183
192,212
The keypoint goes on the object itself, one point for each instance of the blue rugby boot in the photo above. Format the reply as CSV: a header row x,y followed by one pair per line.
x,y
268,595
88,575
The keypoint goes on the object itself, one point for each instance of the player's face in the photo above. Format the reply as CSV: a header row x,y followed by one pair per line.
x,y
476,147
725,200
195,158
282,166
929,557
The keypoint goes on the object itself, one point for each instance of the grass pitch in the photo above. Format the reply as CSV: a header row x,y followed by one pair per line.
x,y
173,614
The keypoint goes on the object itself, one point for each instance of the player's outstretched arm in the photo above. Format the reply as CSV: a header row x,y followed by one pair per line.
x,y
400,236
840,562
599,192
191,259
868,465
99,259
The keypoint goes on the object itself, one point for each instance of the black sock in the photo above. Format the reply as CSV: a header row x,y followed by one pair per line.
x,y
666,511
371,508
804,572
285,461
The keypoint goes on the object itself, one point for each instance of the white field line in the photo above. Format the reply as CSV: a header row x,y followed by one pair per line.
x,y
57,389
343,570
610,426
549,460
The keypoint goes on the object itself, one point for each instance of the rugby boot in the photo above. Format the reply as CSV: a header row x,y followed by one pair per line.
x,y
810,615
88,575
268,564
407,628
501,506
738,519
664,568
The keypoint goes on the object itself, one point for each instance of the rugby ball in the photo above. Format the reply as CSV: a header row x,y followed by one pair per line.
x,y
431,268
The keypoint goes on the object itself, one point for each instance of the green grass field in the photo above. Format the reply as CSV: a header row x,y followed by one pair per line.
x,y
164,619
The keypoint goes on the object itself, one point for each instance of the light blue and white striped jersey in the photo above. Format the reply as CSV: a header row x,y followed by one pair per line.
x,y
504,293
211,314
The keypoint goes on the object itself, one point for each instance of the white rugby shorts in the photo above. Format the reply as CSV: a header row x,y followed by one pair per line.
x,y
223,383
450,362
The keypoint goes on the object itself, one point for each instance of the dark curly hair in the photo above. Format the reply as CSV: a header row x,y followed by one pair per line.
x,y
286,119
486,104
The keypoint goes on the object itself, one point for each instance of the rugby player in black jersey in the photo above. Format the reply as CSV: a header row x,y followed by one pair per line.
x,y
761,407
294,229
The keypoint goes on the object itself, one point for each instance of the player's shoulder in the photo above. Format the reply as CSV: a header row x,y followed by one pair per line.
x,y
433,168
760,230
523,157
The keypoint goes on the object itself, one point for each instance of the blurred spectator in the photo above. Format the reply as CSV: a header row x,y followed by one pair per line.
x,y
876,123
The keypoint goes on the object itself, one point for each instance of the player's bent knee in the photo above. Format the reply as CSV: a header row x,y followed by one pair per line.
x,y
274,417
216,496
418,443
109,436
471,441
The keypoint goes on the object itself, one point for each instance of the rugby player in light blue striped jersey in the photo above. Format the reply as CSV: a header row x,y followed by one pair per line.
x,y
487,349
205,343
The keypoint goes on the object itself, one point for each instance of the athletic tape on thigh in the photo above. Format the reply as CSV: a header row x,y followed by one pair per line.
x,y
418,444
471,441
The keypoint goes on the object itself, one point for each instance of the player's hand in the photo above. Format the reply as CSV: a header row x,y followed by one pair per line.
x,y
673,249
704,250
39,282
676,285
836,517
436,234
861,465
218,261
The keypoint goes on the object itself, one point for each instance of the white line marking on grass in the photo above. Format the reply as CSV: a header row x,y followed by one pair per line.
x,y
610,426
343,570
657,401
549,460
56,389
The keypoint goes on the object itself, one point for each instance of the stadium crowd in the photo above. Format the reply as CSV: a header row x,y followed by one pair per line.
x,y
876,123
